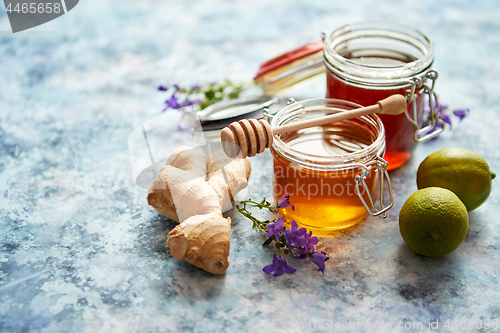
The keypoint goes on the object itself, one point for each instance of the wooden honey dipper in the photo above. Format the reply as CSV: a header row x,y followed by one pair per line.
x,y
251,136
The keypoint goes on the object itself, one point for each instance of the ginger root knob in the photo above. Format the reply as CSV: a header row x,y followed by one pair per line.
x,y
202,241
182,192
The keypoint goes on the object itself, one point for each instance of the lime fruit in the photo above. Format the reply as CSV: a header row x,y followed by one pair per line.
x,y
433,221
462,171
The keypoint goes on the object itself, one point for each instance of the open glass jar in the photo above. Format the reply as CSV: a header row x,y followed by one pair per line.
x,y
371,60
335,173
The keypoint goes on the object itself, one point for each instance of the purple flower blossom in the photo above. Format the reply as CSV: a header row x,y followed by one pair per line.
x,y
319,259
446,118
461,113
294,235
442,108
285,201
279,266
436,127
309,242
442,114
172,103
304,245
196,87
274,228
161,87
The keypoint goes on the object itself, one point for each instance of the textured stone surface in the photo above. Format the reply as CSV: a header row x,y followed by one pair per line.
x,y
80,250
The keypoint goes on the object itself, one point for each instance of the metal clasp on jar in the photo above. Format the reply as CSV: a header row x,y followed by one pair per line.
x,y
427,132
380,166
268,115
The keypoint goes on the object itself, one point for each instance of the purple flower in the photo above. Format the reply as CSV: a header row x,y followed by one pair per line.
x,y
294,235
446,118
442,114
279,266
304,245
172,103
442,108
436,127
461,113
319,259
285,201
274,228
196,87
161,87
309,242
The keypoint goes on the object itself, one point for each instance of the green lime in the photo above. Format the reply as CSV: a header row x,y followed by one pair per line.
x,y
433,221
461,171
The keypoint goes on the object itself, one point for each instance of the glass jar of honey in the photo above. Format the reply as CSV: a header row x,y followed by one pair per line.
x,y
369,61
335,174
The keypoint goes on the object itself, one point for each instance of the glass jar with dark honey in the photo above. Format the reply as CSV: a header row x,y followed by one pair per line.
x,y
369,61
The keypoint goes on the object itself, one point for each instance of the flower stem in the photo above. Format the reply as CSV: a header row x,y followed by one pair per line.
x,y
261,225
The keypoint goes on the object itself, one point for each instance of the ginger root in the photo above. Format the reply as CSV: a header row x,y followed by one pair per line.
x,y
182,192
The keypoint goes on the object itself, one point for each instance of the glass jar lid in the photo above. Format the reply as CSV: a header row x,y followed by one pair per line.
x,y
290,68
378,52
222,114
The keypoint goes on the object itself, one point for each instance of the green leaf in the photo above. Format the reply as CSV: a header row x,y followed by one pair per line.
x,y
210,94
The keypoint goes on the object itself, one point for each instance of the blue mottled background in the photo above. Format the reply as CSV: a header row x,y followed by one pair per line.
x,y
80,250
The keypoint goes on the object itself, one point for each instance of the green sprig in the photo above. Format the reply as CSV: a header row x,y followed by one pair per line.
x,y
280,244
209,94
